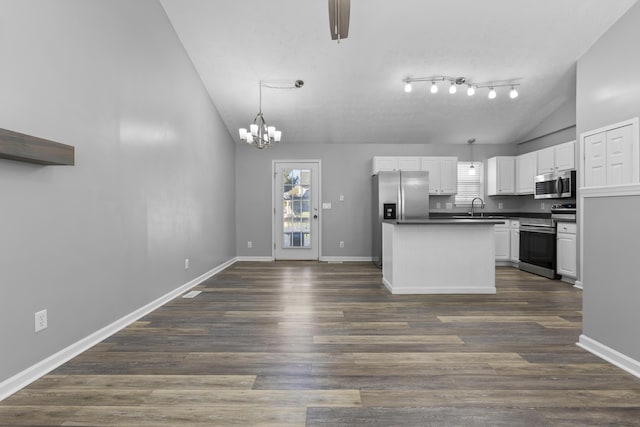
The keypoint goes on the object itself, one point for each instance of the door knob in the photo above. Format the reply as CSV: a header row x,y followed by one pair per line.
x,y
315,217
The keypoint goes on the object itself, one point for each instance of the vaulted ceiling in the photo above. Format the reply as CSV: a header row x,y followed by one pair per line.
x,y
353,91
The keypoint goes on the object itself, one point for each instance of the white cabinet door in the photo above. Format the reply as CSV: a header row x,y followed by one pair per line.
x,y
501,178
595,160
526,168
515,241
546,160
443,174
384,164
409,163
506,175
565,156
432,165
566,264
619,156
449,175
503,240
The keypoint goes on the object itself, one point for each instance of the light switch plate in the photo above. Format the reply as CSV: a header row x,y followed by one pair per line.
x,y
326,205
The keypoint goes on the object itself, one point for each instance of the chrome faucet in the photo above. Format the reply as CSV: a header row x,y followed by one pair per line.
x,y
472,213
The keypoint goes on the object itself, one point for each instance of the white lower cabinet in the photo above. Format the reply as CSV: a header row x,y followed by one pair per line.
x,y
503,241
566,264
514,228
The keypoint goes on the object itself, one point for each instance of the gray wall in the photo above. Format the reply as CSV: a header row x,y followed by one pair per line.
x,y
152,184
608,87
346,170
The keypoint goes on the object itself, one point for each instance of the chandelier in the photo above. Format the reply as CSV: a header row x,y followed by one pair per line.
x,y
260,134
454,82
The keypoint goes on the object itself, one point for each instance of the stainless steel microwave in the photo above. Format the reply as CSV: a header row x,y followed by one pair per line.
x,y
558,185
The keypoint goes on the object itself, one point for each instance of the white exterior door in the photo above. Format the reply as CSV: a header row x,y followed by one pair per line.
x,y
296,210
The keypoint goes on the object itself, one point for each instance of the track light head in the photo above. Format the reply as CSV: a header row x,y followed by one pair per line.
x,y
407,87
492,93
452,88
471,90
434,87
513,93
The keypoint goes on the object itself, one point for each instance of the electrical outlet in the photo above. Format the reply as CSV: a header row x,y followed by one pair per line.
x,y
41,320
542,205
342,197
500,205
186,263
249,244
341,244
449,205
438,205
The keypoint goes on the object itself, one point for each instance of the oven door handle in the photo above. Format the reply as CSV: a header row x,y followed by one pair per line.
x,y
534,229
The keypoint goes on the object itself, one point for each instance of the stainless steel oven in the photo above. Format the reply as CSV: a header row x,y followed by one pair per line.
x,y
538,246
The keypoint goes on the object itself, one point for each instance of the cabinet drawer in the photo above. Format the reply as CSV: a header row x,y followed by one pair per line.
x,y
567,227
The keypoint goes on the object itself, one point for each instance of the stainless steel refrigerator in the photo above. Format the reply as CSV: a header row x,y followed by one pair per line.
x,y
397,195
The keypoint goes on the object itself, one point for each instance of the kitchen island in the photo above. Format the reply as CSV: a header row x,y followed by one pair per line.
x,y
439,256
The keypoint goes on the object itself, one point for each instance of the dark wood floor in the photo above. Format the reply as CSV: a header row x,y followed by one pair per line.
x,y
295,343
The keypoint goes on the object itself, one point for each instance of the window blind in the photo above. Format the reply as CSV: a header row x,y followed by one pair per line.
x,y
469,186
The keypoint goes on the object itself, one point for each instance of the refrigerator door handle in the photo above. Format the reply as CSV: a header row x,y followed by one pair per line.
x,y
400,199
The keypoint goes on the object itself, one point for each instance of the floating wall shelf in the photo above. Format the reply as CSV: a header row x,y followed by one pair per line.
x,y
26,148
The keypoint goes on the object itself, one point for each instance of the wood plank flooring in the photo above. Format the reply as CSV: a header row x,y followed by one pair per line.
x,y
306,343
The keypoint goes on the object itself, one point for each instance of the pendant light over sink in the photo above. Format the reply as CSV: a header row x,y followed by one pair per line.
x,y
472,169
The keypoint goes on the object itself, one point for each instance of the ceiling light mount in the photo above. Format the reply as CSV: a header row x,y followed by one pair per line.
x,y
471,86
260,134
339,11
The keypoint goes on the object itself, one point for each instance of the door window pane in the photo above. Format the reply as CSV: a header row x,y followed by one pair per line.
x,y
296,213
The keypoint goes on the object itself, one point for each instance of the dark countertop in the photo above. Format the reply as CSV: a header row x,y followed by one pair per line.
x,y
507,215
448,221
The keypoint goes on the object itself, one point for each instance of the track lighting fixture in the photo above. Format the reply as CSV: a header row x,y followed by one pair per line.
x,y
454,82
471,90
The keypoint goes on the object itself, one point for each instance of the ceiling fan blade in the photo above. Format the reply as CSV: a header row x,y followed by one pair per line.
x,y
339,18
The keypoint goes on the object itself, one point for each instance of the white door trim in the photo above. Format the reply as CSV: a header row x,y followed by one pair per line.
x,y
273,205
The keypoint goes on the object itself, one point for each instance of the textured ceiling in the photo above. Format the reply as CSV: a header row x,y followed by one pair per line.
x,y
353,91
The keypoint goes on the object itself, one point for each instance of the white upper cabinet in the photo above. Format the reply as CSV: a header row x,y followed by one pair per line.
x,y
501,178
443,171
448,175
389,163
408,163
611,156
557,158
546,160
565,155
443,174
526,169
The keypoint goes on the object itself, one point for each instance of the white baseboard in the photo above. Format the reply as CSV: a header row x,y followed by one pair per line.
x,y
578,284
396,290
255,258
346,259
31,374
610,355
